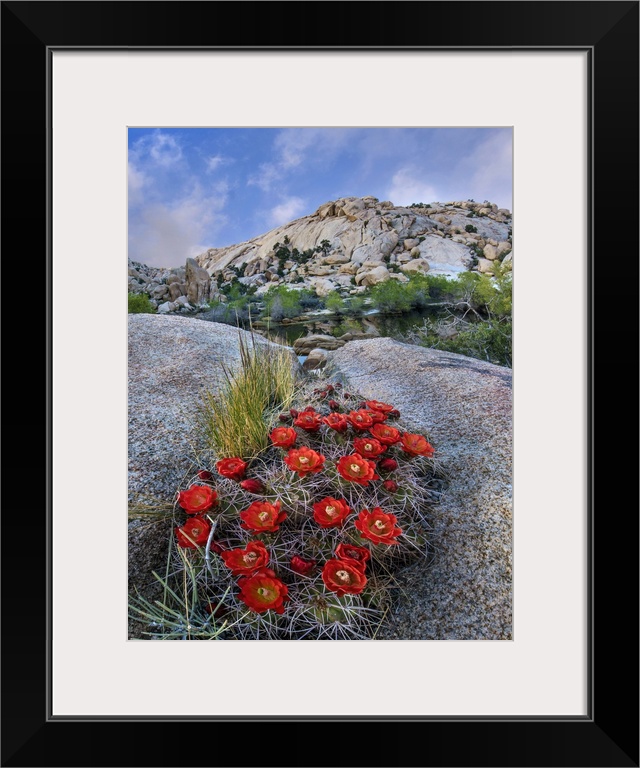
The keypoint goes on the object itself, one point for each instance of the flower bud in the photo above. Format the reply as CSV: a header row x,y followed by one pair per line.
x,y
204,474
395,413
388,465
390,485
333,405
285,417
252,485
330,387
294,414
302,566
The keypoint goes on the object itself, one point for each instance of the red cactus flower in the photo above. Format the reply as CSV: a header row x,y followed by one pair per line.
x,y
357,469
385,434
330,512
337,421
416,445
252,485
390,485
360,420
233,468
304,461
377,416
262,516
194,533
262,591
248,560
283,437
197,499
302,566
359,555
343,577
376,405
204,474
378,526
368,447
310,421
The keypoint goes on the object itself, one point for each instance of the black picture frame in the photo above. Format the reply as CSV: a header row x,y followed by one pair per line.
x,y
608,735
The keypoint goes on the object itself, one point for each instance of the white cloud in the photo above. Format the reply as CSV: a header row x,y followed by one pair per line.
x,y
215,161
287,210
294,148
405,189
162,148
137,179
489,167
166,234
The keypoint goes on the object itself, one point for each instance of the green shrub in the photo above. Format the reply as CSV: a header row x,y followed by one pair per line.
x,y
281,301
335,303
470,228
489,340
140,303
391,296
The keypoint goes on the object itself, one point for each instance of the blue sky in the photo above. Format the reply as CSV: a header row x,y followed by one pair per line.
x,y
197,188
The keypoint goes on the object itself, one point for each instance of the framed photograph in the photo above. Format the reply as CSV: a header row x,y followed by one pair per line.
x,y
563,77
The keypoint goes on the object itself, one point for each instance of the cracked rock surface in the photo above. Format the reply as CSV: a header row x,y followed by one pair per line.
x,y
464,406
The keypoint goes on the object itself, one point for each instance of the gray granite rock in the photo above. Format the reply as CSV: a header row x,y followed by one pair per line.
x,y
465,407
171,360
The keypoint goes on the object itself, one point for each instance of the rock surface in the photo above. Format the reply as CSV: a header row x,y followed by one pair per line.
x,y
464,405
171,360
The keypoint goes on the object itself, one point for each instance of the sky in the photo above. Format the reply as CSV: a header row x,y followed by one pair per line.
x,y
196,188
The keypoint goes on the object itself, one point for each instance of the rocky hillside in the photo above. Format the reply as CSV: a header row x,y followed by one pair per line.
x,y
346,245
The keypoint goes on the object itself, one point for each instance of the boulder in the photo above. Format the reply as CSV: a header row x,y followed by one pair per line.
x,y
328,209
336,258
168,306
444,255
373,277
319,270
464,407
198,283
305,344
171,361
417,265
175,290
415,253
322,286
486,266
317,358
353,208
410,243
490,252
503,247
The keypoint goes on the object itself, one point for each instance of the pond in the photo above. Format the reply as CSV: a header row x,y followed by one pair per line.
x,y
392,325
